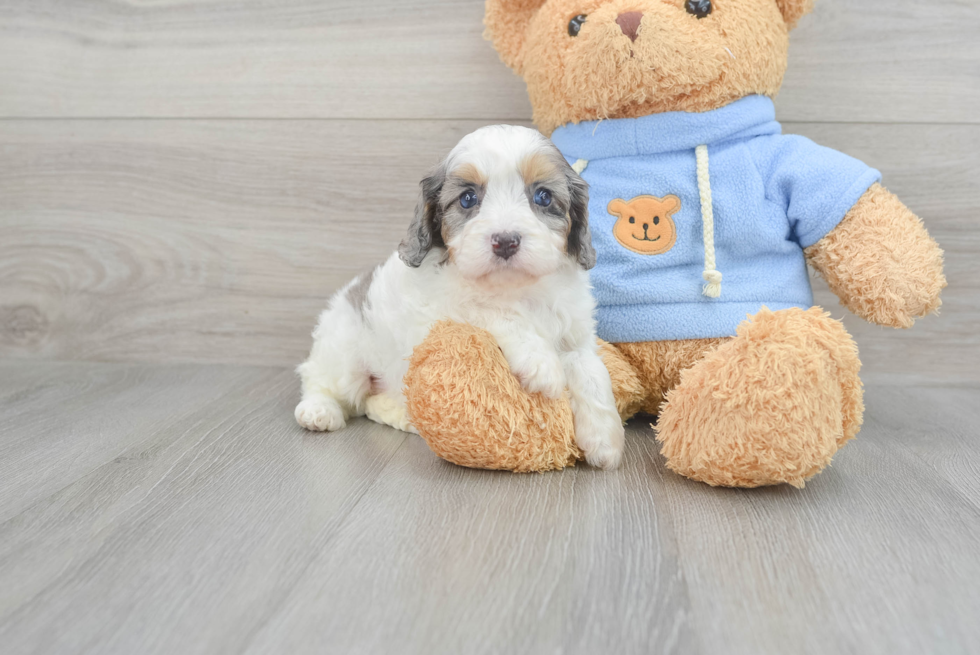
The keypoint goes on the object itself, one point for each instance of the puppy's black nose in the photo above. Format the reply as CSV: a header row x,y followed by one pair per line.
x,y
629,22
505,244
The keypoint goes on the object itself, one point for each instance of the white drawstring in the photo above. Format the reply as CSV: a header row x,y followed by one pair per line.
x,y
711,275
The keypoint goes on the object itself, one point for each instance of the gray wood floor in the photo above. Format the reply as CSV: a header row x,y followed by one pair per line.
x,y
179,509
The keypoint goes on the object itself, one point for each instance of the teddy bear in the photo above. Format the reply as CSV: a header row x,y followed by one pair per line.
x,y
704,216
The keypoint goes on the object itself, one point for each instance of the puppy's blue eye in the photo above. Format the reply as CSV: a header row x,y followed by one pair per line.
x,y
542,197
468,200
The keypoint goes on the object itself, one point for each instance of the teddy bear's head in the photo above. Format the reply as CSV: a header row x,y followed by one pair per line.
x,y
592,59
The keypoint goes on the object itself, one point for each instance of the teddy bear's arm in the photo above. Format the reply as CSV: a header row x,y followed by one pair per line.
x,y
881,262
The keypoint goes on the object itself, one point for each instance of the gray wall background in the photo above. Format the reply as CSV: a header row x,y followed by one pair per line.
x,y
188,181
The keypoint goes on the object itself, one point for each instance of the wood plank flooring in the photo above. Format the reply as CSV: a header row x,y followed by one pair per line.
x,y
163,509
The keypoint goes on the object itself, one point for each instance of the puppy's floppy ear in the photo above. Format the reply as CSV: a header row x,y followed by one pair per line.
x,y
794,10
506,22
425,232
579,236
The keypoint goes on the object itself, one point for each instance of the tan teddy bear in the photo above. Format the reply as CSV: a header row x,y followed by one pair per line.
x,y
704,216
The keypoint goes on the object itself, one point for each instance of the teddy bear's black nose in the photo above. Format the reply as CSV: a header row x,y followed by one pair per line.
x,y
629,22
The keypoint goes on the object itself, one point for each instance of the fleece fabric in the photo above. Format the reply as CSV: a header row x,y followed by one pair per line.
x,y
773,195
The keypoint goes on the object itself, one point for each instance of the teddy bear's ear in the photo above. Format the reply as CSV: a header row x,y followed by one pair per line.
x,y
794,10
506,22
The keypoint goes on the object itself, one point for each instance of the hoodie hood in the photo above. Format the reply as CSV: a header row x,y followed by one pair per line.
x,y
661,133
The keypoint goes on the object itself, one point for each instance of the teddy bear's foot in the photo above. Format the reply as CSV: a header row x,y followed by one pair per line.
x,y
770,406
472,411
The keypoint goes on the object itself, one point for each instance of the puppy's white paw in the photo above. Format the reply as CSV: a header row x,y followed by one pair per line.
x,y
320,414
540,372
602,439
606,457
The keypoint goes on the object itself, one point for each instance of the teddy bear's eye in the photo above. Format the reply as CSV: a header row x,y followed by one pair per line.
x,y
656,220
632,219
698,8
575,25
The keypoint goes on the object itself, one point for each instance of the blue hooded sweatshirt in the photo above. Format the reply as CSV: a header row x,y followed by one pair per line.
x,y
659,217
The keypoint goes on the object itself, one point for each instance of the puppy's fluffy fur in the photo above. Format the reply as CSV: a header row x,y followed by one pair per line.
x,y
458,262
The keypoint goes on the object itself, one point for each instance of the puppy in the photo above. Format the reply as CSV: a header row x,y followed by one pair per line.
x,y
500,240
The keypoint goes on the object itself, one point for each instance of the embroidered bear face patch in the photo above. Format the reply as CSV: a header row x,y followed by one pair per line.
x,y
645,223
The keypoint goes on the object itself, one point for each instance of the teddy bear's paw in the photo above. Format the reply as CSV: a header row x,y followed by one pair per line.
x,y
601,437
771,406
539,372
470,408
320,414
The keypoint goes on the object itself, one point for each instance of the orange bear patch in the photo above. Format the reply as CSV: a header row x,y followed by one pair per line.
x,y
645,223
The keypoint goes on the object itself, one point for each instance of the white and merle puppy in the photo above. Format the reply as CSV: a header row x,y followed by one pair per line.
x,y
501,241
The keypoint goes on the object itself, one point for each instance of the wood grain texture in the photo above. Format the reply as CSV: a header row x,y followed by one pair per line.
x,y
934,169
249,58
186,535
228,529
83,417
171,238
219,241
868,62
876,541
912,61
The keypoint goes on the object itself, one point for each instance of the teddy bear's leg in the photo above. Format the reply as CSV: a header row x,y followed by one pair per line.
x,y
627,386
471,410
657,365
772,405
